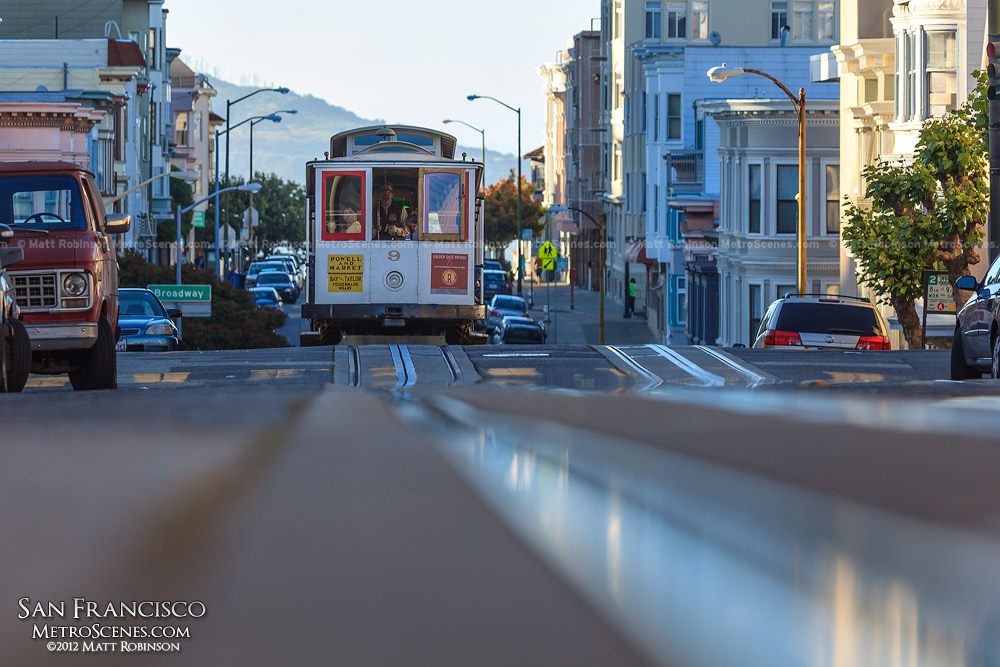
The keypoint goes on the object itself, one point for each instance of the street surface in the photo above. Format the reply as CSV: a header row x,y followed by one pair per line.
x,y
570,503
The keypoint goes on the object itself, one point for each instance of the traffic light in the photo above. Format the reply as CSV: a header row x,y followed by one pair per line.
x,y
993,70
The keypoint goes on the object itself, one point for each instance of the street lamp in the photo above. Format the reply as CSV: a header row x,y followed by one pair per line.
x,y
187,176
246,187
720,74
229,104
482,132
258,120
218,133
274,118
520,259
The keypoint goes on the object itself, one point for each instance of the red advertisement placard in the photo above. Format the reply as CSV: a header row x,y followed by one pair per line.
x,y
449,273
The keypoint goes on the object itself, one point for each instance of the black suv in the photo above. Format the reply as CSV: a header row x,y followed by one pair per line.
x,y
975,350
15,347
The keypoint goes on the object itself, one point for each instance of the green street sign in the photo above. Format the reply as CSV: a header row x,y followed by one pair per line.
x,y
182,293
199,219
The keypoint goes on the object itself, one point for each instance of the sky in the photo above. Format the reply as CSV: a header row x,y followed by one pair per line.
x,y
405,61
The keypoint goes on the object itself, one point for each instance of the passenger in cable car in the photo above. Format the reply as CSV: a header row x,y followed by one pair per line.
x,y
389,219
351,222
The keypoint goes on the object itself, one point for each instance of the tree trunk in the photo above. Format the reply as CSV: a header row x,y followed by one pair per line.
x,y
906,312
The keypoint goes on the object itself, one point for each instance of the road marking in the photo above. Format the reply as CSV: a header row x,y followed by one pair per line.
x,y
754,377
156,378
653,380
275,373
694,370
57,381
518,354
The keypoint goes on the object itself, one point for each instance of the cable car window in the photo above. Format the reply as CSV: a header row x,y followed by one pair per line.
x,y
443,199
344,213
415,139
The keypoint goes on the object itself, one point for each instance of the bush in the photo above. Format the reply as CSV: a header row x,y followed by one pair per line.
x,y
236,323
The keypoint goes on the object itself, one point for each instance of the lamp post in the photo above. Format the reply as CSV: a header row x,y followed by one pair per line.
x,y
274,118
218,133
187,176
720,74
600,226
520,259
229,104
482,132
556,208
246,187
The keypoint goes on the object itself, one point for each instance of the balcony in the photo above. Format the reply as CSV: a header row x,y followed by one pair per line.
x,y
685,172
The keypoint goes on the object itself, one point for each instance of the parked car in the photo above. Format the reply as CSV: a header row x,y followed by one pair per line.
x,y
256,268
15,347
67,285
503,305
819,321
266,296
519,331
290,268
493,265
145,324
495,282
975,349
280,281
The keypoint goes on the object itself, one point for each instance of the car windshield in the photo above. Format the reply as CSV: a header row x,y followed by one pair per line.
x,y
828,318
139,304
265,296
272,278
511,303
42,202
266,266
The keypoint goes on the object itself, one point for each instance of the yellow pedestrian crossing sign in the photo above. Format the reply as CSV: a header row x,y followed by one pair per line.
x,y
548,253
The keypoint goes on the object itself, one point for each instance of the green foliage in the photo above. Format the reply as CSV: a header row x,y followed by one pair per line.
x,y
236,323
280,206
501,210
925,215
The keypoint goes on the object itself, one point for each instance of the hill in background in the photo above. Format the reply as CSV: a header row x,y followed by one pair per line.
x,y
285,148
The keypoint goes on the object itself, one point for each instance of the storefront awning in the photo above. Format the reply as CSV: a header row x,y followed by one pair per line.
x,y
636,252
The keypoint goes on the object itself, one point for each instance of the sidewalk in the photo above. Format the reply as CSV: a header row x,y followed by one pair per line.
x,y
580,325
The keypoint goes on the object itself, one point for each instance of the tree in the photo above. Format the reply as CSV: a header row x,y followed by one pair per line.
x,y
281,205
501,210
926,215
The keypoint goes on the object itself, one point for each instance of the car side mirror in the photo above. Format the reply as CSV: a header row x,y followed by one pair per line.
x,y
6,234
967,283
117,223
11,256
174,312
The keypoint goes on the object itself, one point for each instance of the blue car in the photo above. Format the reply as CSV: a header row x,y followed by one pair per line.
x,y
144,322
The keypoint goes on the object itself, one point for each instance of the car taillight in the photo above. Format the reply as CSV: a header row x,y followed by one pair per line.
x,y
494,313
873,343
773,337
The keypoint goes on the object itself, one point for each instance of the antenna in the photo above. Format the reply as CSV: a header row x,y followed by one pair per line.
x,y
107,29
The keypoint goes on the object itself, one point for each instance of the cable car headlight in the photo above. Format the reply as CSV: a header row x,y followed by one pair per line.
x,y
74,284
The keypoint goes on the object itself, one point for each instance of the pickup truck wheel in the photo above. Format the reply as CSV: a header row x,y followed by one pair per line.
x,y
4,361
19,357
99,368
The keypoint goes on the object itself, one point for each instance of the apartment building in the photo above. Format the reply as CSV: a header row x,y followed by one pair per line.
x,y
142,122
584,179
899,62
668,209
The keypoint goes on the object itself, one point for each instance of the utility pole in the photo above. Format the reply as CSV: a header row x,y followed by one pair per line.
x,y
993,95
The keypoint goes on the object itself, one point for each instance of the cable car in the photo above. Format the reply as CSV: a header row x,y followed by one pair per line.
x,y
394,239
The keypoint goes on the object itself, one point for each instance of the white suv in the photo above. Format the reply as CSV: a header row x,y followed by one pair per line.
x,y
820,321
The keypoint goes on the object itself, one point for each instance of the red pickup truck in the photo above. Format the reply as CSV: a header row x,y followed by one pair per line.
x,y
67,286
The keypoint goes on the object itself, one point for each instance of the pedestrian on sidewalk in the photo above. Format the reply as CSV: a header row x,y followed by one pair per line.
x,y
632,289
